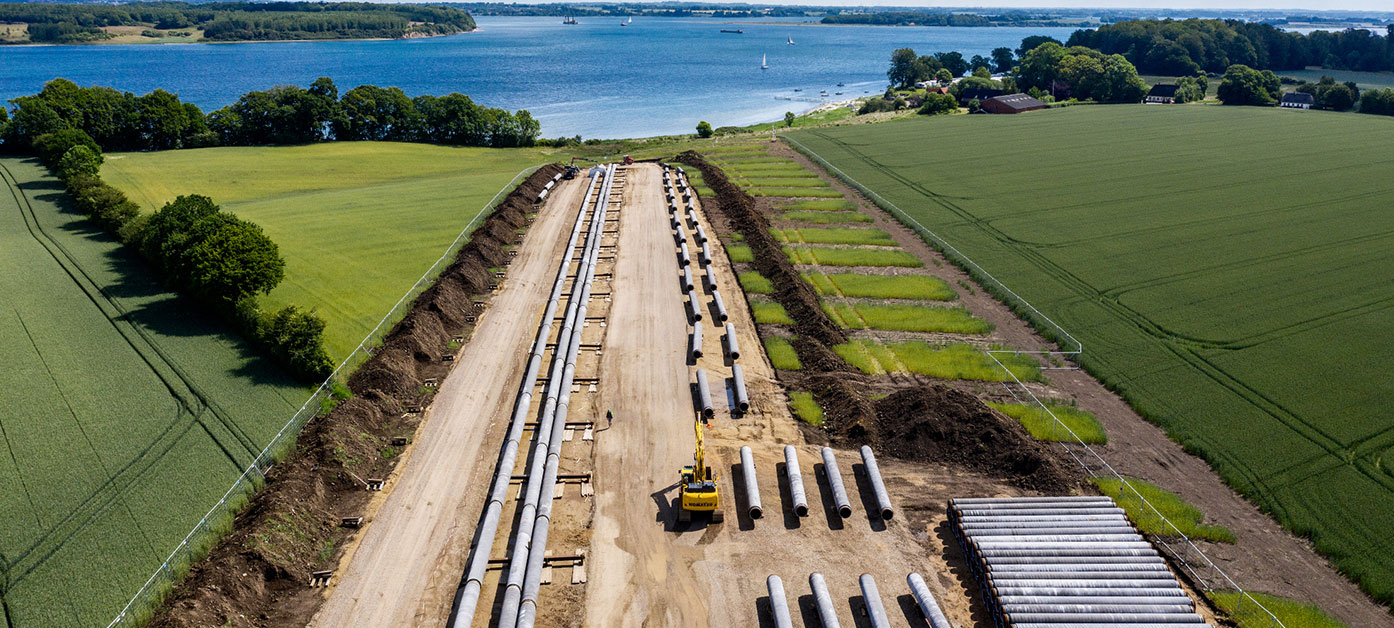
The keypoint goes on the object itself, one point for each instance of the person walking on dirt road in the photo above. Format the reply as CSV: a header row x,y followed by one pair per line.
x,y
609,418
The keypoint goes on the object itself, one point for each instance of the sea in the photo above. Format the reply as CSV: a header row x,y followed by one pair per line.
x,y
596,79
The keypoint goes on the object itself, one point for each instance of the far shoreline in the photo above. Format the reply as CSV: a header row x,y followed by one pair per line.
x,y
170,42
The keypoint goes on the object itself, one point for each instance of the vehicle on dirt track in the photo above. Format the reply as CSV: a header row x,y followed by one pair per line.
x,y
698,493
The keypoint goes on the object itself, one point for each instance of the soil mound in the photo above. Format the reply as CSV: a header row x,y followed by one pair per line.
x,y
259,575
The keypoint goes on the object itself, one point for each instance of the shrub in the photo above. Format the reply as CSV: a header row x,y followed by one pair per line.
x,y
51,147
105,204
1243,85
739,253
296,339
1378,102
704,129
79,160
938,103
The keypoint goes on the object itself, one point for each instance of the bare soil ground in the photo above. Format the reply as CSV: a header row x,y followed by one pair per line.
x,y
1266,558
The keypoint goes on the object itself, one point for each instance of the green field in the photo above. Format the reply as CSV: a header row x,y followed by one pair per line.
x,y
922,287
834,235
128,411
358,222
903,317
782,354
829,256
769,313
1227,269
1293,614
952,361
824,218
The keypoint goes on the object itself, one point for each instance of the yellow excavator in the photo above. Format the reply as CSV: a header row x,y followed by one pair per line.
x,y
698,491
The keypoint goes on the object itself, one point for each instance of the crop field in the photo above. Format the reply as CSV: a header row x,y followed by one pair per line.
x,y
834,235
358,222
953,361
922,287
829,256
128,412
1226,268
1043,426
901,317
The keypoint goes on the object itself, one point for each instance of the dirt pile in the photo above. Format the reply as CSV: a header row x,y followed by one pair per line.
x,y
260,574
936,423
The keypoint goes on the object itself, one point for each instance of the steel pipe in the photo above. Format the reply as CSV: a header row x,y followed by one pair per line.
x,y
844,506
1027,543
1112,581
795,479
720,306
1018,619
1091,592
878,487
1015,502
708,276
925,599
687,284
680,235
704,395
694,306
827,613
1113,518
695,346
683,257
875,611
1155,574
1089,609
742,397
701,234
733,347
1063,522
705,256
752,488
1047,511
996,567
779,603
1077,560
1081,599
1085,552
1006,535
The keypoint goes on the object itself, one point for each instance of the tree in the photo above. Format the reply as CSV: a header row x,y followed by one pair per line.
x,y
982,72
979,62
79,160
160,239
953,62
370,112
789,118
944,76
925,68
704,129
1040,66
33,117
1002,59
1332,95
164,121
1378,102
935,104
1033,42
1188,89
902,71
51,147
230,259
296,338
1243,85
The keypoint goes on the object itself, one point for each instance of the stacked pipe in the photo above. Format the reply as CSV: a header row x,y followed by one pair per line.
x,y
467,596
554,421
1043,561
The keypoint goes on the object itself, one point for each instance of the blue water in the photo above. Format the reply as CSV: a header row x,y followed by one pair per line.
x,y
597,79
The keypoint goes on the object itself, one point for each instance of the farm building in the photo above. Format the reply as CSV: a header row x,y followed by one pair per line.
x,y
979,94
1162,93
1297,100
1012,103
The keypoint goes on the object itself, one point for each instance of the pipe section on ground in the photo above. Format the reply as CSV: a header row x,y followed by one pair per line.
x,y
742,397
705,256
878,487
795,479
779,603
708,277
827,613
687,285
694,306
733,347
844,506
704,395
752,488
683,257
720,306
695,346
925,599
875,610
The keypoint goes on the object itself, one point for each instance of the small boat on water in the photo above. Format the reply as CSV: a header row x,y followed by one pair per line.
x,y
733,32
840,85
791,41
631,21
570,20
798,89
763,64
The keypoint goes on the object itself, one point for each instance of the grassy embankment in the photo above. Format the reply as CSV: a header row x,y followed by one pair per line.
x,y
1227,269
128,411
358,222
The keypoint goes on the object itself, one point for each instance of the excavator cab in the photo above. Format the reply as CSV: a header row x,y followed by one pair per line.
x,y
697,486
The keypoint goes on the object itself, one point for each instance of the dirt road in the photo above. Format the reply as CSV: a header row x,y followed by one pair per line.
x,y
407,563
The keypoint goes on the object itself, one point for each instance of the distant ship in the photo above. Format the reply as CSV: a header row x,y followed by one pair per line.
x,y
840,85
733,32
631,21
791,41
763,65
570,20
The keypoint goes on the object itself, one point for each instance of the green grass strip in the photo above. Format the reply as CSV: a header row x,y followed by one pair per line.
x,y
770,313
850,257
754,282
841,204
806,408
1184,516
782,354
796,192
783,182
834,235
739,253
1292,613
1043,426
921,287
824,218
952,361
949,320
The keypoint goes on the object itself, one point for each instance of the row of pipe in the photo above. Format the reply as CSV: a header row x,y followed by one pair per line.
x,y
467,595
1061,561
875,609
556,423
794,478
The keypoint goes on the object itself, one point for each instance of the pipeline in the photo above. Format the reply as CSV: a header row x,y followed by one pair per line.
x,y
1103,609
1000,567
720,306
708,277
1017,619
687,284
696,347
536,549
705,256
694,306
558,387
878,487
467,596
827,613
779,603
704,394
683,257
1090,592
742,397
733,347
795,478
875,611
752,488
1129,600
844,507
925,599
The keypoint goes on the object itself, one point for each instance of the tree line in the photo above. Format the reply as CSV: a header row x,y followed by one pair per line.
x,y
287,114
1186,47
199,250
239,21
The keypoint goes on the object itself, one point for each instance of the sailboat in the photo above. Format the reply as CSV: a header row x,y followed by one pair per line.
x,y
791,41
763,64
631,21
